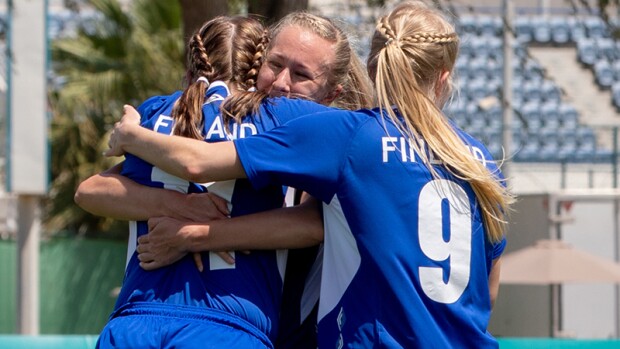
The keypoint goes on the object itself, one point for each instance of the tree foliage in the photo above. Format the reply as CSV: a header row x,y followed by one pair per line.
x,y
115,58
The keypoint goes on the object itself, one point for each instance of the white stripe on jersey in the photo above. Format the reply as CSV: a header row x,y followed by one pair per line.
x,y
339,245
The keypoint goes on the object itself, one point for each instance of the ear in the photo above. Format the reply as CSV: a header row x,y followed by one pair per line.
x,y
441,84
332,95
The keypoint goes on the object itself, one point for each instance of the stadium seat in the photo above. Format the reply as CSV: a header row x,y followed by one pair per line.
x,y
532,91
586,51
533,71
541,30
489,25
606,49
595,27
466,25
523,29
550,92
560,30
531,113
603,74
550,115
577,29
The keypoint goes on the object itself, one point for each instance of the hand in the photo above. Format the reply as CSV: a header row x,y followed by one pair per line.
x,y
225,256
163,245
131,118
202,207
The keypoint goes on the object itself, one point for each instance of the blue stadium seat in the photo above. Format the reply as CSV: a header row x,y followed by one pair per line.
x,y
528,152
523,29
477,68
489,25
560,30
550,115
550,92
586,141
595,27
542,30
586,51
577,29
603,74
548,152
532,91
569,117
606,49
533,71
466,25
531,113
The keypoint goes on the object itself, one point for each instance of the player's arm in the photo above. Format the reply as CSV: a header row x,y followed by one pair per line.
x,y
291,227
494,280
191,159
110,194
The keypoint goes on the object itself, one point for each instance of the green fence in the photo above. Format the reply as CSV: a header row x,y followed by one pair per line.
x,y
77,282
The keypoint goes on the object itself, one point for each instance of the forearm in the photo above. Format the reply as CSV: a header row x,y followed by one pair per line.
x,y
191,159
291,227
110,194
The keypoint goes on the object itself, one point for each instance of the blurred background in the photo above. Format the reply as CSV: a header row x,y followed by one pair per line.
x,y
538,82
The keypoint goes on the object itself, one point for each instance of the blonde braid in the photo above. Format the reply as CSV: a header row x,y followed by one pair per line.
x,y
432,38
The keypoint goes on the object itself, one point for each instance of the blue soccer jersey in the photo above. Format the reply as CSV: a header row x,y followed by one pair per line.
x,y
251,288
406,258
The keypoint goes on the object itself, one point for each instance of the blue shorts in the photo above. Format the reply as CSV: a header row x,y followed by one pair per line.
x,y
160,325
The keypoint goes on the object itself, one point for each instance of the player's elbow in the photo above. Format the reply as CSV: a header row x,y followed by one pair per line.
x,y
316,236
195,174
83,194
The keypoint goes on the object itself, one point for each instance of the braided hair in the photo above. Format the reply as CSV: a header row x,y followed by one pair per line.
x,y
412,56
226,49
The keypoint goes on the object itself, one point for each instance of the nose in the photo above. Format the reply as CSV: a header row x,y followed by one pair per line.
x,y
282,83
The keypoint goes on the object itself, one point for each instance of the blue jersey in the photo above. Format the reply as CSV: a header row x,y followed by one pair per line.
x,y
406,258
251,288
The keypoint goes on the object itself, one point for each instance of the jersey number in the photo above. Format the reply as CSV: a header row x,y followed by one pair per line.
x,y
437,198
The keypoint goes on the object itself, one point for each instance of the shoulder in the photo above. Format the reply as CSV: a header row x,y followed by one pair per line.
x,y
156,103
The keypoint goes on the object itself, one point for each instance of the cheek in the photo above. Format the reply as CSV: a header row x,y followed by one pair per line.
x,y
306,89
264,80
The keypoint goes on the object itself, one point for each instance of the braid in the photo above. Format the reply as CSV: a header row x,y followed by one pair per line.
x,y
187,110
246,102
383,27
433,38
257,61
199,60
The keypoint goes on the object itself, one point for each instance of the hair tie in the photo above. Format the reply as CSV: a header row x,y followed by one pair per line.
x,y
252,89
389,41
203,79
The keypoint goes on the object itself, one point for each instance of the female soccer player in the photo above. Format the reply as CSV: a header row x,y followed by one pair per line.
x,y
415,208
226,53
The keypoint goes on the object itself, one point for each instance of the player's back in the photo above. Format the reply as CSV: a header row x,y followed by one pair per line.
x,y
249,289
417,256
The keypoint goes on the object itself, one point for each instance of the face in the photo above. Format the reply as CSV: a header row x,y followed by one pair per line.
x,y
298,64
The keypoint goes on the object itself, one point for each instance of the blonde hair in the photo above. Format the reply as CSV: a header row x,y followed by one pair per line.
x,y
229,49
411,50
347,69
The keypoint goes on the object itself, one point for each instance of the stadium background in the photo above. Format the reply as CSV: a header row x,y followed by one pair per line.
x,y
565,102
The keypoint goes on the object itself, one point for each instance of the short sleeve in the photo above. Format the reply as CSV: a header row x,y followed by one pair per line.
x,y
306,153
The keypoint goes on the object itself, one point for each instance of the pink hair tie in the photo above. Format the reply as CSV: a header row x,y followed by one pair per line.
x,y
203,79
